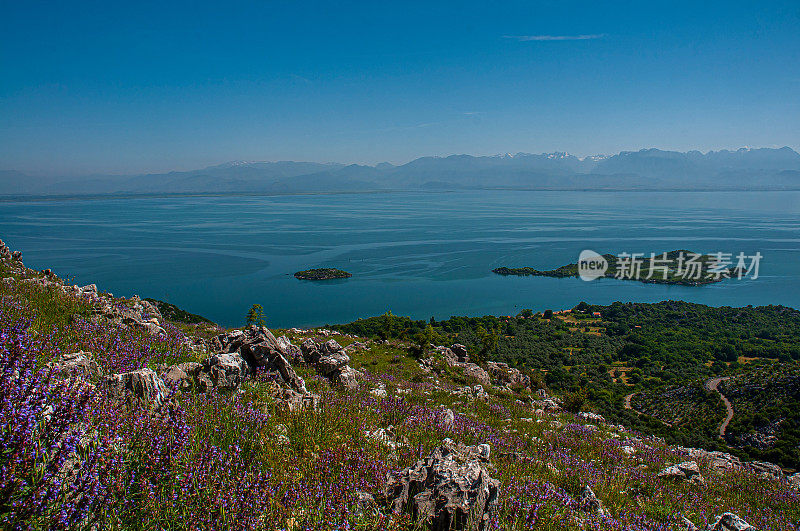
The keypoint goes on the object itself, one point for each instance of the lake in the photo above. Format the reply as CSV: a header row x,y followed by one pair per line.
x,y
417,254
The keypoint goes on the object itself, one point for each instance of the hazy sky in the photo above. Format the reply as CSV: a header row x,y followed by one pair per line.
x,y
104,87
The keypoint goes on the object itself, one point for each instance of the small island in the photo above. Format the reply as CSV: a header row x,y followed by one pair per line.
x,y
676,269
325,273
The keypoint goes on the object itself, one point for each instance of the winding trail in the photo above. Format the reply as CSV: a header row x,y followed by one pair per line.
x,y
627,402
712,385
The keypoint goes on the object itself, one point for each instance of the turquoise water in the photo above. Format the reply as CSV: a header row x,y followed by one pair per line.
x,y
417,254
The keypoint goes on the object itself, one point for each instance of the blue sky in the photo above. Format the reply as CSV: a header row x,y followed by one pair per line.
x,y
107,87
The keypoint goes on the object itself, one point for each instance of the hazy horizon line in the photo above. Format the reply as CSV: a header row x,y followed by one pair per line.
x,y
201,166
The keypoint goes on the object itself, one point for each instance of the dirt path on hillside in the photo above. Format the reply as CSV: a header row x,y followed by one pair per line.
x,y
712,385
627,402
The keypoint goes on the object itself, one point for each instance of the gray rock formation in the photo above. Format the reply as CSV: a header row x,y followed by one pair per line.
x,y
503,375
729,522
365,502
75,364
450,489
590,503
143,387
260,350
133,312
5,252
331,361
183,375
762,468
591,417
387,436
687,470
294,401
293,352
224,371
722,462
456,356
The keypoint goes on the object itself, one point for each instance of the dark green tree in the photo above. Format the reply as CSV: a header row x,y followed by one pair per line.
x,y
255,315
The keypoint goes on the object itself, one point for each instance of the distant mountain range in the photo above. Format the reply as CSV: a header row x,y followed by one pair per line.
x,y
648,169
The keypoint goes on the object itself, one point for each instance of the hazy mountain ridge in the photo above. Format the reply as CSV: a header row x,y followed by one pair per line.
x,y
647,169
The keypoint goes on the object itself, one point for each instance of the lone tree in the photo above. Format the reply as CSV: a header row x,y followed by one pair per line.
x,y
255,315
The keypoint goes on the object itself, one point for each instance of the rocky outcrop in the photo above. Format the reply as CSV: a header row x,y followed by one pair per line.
x,y
722,462
724,522
450,489
471,393
133,312
456,356
182,375
224,371
762,468
590,503
143,387
729,522
294,401
5,252
687,470
293,352
260,350
75,365
503,375
331,361
388,436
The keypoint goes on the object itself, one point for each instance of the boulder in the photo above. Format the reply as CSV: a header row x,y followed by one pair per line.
x,y
461,352
387,436
260,350
590,503
293,353
131,312
474,371
76,364
225,371
294,401
143,387
449,418
5,252
591,417
722,462
364,502
729,522
687,470
450,489
503,375
331,361
456,356
551,404
480,394
379,392
764,469
719,462
182,375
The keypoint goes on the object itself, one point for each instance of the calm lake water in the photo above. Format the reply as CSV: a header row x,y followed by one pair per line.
x,y
417,254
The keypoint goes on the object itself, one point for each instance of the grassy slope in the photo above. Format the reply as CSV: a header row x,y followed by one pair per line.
x,y
244,460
